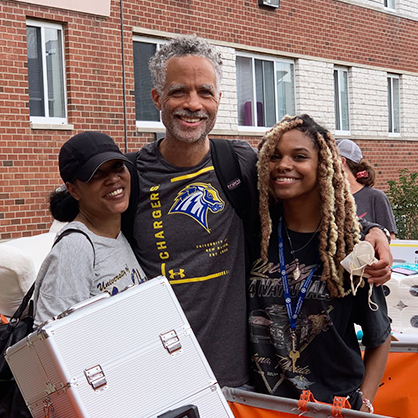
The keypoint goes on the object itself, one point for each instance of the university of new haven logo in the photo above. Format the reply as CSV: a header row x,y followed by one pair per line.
x,y
196,200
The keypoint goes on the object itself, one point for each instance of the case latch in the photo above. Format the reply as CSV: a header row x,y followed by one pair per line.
x,y
171,341
96,378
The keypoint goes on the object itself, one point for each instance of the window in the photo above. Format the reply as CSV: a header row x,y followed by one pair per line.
x,y
47,102
341,107
393,104
265,90
390,4
146,113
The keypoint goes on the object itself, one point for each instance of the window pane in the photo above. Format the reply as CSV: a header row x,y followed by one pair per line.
x,y
244,91
285,89
145,109
344,101
274,91
36,87
337,101
396,106
55,76
341,107
266,106
393,105
390,110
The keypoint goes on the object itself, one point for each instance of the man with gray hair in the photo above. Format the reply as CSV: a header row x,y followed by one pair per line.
x,y
184,225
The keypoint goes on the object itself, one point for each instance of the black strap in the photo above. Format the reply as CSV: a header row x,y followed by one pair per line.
x,y
14,320
228,171
19,311
70,231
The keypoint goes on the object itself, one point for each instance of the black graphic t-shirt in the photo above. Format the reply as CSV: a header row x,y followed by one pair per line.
x,y
329,362
187,230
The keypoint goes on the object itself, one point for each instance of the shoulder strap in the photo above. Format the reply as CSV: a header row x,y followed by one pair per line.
x,y
129,215
228,171
19,311
70,231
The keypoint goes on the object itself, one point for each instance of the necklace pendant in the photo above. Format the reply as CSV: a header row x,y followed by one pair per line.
x,y
296,272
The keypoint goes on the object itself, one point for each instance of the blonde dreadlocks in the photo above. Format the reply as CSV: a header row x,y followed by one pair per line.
x,y
339,230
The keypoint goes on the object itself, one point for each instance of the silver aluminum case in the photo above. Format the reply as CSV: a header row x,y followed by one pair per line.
x,y
132,355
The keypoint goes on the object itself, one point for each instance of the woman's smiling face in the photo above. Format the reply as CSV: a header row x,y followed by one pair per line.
x,y
293,167
107,192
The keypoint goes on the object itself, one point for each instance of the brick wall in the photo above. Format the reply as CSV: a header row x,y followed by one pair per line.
x,y
320,32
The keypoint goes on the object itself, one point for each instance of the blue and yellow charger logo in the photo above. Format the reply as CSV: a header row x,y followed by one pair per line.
x,y
196,200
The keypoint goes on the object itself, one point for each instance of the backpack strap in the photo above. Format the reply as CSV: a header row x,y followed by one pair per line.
x,y
228,171
128,216
14,320
70,231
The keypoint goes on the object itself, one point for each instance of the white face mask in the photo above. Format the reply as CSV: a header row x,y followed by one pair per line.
x,y
355,263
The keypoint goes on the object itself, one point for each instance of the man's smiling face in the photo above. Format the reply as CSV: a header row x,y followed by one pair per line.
x,y
190,99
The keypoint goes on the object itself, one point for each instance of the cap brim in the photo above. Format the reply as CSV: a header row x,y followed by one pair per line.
x,y
86,172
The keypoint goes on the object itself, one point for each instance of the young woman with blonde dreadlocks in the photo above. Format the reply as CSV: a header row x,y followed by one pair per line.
x,y
302,312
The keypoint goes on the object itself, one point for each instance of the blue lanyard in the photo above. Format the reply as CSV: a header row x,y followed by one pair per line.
x,y
292,314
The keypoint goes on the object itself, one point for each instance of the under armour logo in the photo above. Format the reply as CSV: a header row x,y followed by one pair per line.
x,y
179,273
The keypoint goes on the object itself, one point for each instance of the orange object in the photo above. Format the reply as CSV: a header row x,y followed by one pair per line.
x,y
247,411
339,403
3,320
397,394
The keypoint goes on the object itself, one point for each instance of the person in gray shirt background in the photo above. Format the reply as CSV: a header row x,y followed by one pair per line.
x,y
372,204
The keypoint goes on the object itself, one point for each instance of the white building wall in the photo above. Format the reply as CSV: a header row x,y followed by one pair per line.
x,y
227,120
409,106
315,91
407,8
368,103
403,8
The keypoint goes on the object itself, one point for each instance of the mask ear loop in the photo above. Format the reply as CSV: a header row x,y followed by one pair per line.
x,y
353,267
354,289
372,305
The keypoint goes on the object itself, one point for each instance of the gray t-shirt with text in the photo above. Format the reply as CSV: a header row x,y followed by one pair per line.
x,y
73,272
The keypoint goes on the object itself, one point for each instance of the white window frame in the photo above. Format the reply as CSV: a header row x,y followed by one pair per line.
x,y
389,4
391,107
47,120
256,129
337,96
150,125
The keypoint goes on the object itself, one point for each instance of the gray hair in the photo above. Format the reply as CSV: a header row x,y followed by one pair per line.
x,y
180,47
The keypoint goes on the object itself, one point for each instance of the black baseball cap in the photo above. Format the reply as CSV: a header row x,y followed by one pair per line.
x,y
84,153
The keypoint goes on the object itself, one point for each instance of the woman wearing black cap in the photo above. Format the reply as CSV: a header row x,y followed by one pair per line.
x,y
90,254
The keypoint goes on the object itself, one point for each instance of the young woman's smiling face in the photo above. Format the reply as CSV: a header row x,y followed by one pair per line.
x,y
293,167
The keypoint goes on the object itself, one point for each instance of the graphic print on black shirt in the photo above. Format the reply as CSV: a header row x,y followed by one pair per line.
x,y
270,327
329,362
